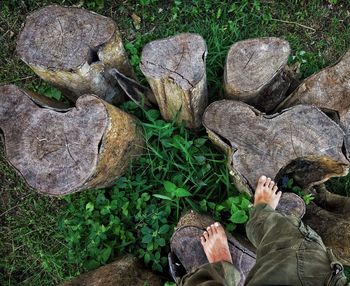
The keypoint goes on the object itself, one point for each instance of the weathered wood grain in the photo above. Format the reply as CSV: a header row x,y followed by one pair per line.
x,y
60,151
301,142
175,70
72,49
329,90
255,72
333,228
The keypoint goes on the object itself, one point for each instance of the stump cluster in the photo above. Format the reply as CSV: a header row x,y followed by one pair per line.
x,y
266,124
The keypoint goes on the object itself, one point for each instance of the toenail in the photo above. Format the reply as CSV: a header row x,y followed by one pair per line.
x,y
217,224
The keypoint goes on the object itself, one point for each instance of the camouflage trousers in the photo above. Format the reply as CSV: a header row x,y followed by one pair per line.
x,y
288,253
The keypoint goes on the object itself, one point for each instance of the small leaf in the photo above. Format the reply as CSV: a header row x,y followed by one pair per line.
x,y
169,187
239,217
180,193
105,253
89,207
147,238
147,258
152,115
164,228
159,196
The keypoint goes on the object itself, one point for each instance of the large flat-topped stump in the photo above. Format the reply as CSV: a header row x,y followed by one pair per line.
x,y
175,70
302,142
255,72
60,151
329,90
72,48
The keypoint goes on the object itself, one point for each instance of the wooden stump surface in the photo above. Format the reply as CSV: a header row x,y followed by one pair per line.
x,y
254,72
302,139
63,151
329,90
175,70
72,48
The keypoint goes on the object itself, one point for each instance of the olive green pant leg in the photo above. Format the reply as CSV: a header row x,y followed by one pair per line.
x,y
212,274
288,252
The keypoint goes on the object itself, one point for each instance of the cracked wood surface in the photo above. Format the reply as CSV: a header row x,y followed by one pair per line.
x,y
301,142
255,72
175,70
329,90
60,151
72,48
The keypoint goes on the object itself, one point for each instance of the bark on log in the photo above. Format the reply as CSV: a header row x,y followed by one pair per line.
x,y
125,271
333,228
175,70
329,90
301,142
255,72
73,49
68,150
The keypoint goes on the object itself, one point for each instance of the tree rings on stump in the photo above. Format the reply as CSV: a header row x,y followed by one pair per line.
x,y
301,142
255,72
64,151
175,70
72,49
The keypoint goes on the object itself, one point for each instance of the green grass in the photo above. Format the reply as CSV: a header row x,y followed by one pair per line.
x,y
48,240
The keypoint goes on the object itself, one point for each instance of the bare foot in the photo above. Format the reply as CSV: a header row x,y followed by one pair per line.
x,y
215,244
266,192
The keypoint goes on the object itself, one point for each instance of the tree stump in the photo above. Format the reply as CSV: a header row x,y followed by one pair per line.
x,y
60,151
301,142
329,90
175,70
333,228
125,271
73,49
255,72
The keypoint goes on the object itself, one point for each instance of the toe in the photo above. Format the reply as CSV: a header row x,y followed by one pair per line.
x,y
206,236
202,240
275,188
209,231
214,228
267,183
272,183
219,228
261,181
279,194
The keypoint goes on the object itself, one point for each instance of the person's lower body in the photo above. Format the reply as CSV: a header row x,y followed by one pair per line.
x,y
288,252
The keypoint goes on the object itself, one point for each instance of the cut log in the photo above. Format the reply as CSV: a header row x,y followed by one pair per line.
x,y
175,70
68,150
329,90
72,49
255,72
125,271
332,202
333,228
329,215
301,142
